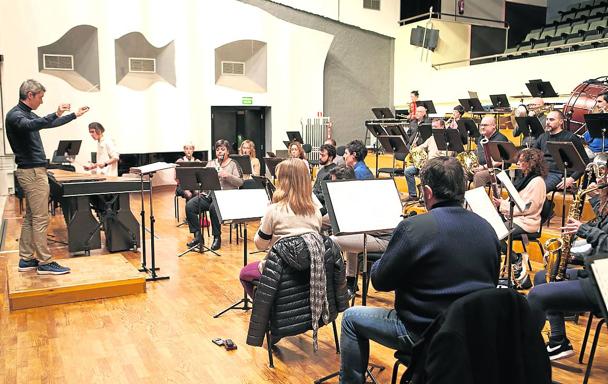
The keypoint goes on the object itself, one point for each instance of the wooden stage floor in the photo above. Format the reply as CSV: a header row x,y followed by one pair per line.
x,y
164,335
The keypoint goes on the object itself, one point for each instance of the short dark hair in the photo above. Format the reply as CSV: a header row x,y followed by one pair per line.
x,y
332,141
331,150
358,148
459,108
222,143
343,172
559,113
97,127
415,93
604,96
445,176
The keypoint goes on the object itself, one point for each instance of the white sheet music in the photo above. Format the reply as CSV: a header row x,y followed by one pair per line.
x,y
241,204
600,272
506,181
158,166
480,203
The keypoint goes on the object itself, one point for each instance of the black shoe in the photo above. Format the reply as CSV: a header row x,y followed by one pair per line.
x,y
196,241
559,349
217,243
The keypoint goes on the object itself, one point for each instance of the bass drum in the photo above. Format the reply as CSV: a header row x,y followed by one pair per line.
x,y
582,101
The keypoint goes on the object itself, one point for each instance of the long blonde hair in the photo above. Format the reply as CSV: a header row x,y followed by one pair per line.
x,y
294,188
252,144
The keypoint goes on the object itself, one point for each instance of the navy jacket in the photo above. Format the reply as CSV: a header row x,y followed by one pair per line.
x,y
23,131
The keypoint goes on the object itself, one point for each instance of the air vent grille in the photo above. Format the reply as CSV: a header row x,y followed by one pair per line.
x,y
235,68
142,65
371,4
58,62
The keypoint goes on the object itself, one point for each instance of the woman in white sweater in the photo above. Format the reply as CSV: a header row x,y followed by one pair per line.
x,y
291,213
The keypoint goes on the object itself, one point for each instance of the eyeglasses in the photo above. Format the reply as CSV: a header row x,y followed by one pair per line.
x,y
486,125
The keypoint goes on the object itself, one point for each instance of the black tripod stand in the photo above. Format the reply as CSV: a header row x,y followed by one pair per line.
x,y
108,216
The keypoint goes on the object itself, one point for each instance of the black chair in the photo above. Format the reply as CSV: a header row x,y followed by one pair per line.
x,y
527,238
394,171
596,339
402,358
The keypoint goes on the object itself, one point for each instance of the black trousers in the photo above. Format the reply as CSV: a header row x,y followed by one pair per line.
x,y
198,204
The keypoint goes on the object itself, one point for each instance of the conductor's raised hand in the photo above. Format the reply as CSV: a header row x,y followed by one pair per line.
x,y
63,108
81,111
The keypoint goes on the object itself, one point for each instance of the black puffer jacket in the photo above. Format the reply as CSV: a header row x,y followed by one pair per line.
x,y
283,294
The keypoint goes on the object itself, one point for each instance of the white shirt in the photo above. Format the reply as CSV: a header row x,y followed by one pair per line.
x,y
106,150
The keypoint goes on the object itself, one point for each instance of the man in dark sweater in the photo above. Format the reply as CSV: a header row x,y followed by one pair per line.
x,y
23,131
489,131
327,153
431,260
554,131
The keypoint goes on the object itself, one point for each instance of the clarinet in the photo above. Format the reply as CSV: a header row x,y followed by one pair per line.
x,y
486,152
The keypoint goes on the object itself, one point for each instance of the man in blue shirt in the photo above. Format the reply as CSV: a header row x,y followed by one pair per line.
x,y
595,144
354,154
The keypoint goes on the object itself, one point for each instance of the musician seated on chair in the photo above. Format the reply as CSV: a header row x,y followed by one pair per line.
x,y
576,294
430,147
531,188
554,131
231,177
292,212
339,159
327,153
594,145
420,117
488,130
354,156
187,158
296,151
431,261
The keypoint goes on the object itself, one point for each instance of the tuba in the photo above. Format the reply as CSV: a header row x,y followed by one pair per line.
x,y
469,161
417,156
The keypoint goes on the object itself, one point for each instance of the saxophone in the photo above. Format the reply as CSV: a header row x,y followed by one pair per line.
x,y
558,249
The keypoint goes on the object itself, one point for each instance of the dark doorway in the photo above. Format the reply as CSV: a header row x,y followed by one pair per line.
x,y
238,123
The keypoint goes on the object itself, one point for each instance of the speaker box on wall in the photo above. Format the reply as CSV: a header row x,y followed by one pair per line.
x,y
422,37
417,36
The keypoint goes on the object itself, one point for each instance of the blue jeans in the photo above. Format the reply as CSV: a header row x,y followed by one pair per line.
x,y
359,326
552,179
410,178
551,300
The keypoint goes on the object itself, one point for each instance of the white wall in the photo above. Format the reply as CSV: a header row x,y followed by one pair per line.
x,y
163,117
385,21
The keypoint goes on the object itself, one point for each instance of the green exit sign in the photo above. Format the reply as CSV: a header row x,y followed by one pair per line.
x,y
247,100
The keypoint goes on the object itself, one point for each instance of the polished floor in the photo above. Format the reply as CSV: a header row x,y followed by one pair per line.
x,y
164,335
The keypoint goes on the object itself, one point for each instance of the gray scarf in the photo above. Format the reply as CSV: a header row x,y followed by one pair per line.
x,y
319,305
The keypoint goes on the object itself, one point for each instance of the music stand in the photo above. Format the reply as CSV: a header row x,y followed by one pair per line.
x,y
200,179
383,113
500,101
428,104
568,160
376,129
597,124
68,148
393,144
471,105
504,152
191,164
295,136
530,126
287,143
271,154
268,186
448,140
271,165
348,200
240,206
244,161
468,129
425,131
150,170
539,88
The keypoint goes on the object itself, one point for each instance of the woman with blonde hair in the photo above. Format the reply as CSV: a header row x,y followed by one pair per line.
x,y
292,212
248,148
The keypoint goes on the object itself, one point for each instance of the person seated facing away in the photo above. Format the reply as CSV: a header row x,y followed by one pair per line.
x,y
576,293
531,188
230,177
327,153
594,145
247,148
354,156
430,146
187,158
554,131
431,261
338,160
296,151
488,130
418,118
291,213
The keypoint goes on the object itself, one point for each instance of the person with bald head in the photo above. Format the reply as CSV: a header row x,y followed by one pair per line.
x,y
420,117
554,131
488,130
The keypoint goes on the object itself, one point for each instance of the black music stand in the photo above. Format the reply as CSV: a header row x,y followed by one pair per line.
x,y
142,171
295,136
287,143
428,104
504,152
425,131
539,88
200,179
271,165
530,126
568,160
268,186
240,206
66,150
471,105
244,161
468,130
383,113
448,140
191,164
393,144
376,129
500,101
597,124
